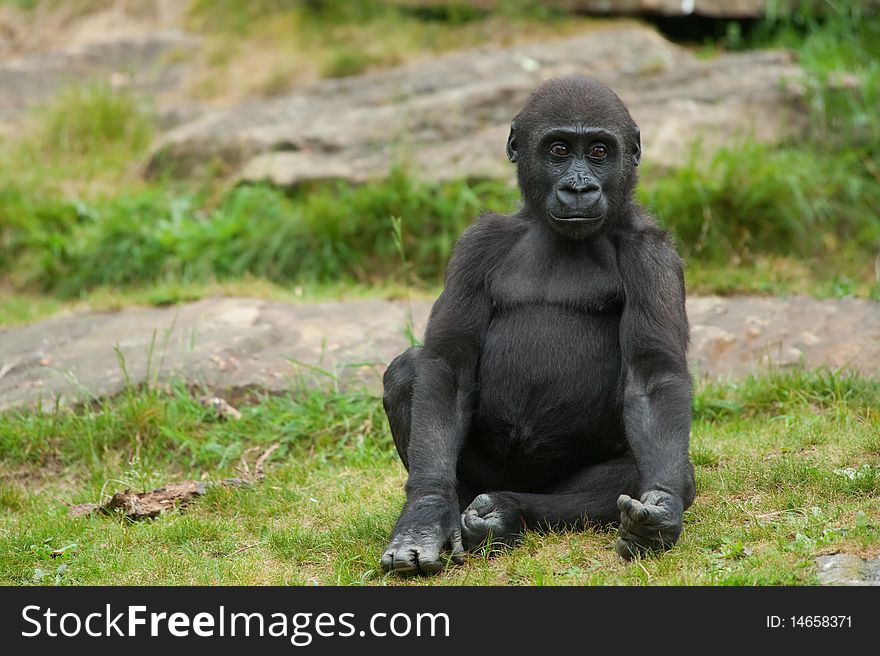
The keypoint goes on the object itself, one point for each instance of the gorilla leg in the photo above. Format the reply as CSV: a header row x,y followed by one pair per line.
x,y
475,471
604,493
587,497
397,398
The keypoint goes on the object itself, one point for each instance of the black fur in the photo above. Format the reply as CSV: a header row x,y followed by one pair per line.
x,y
552,388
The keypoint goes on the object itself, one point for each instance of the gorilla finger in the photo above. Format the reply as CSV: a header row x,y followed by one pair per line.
x,y
482,504
387,560
471,521
427,561
639,511
633,508
402,566
430,566
474,532
643,540
457,548
628,550
404,561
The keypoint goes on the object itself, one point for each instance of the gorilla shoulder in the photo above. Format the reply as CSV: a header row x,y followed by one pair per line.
x,y
483,243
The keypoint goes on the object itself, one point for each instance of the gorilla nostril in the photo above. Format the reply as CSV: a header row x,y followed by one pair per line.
x,y
578,196
578,188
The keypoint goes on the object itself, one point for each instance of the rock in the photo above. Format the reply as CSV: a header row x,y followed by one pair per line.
x,y
730,9
447,117
137,62
848,569
729,335
46,26
225,344
221,407
232,345
709,8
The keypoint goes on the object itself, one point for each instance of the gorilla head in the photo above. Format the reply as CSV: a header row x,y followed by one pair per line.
x,y
576,148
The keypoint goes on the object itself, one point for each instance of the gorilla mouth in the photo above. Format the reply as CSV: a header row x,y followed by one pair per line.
x,y
577,218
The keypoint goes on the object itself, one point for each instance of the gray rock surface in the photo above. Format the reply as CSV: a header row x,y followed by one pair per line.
x,y
234,344
137,62
709,8
729,336
447,117
847,569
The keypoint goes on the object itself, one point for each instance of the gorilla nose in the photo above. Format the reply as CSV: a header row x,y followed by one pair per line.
x,y
578,195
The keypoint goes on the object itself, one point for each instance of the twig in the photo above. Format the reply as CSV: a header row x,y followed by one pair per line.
x,y
258,465
776,513
244,548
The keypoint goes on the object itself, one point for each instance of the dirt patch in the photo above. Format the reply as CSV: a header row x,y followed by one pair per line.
x,y
48,477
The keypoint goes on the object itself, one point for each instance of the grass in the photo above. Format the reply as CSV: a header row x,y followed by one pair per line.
x,y
788,467
84,145
70,237
324,234
266,48
758,199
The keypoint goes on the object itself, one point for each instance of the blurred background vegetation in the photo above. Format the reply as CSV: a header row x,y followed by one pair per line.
x,y
80,223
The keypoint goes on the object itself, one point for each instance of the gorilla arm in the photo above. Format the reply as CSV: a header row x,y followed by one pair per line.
x,y
657,397
442,404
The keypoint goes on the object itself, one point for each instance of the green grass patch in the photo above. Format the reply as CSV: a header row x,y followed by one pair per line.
x,y
85,144
93,118
325,234
759,199
788,466
341,234
819,197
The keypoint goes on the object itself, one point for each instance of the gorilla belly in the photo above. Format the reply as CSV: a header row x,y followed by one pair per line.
x,y
550,389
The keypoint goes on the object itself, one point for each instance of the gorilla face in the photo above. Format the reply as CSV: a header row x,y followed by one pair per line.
x,y
576,149
581,166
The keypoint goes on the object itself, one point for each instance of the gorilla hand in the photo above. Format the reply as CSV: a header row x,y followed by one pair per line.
x,y
427,526
652,523
494,518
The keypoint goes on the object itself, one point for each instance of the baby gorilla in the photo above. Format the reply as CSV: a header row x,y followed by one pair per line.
x,y
552,389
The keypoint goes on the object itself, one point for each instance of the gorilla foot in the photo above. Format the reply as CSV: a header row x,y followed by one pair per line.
x,y
493,518
427,528
652,523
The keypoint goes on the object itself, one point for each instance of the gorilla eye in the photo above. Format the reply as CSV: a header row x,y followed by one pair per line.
x,y
598,152
559,150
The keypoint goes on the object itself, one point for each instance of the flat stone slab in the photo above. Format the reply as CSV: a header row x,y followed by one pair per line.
x,y
713,8
230,345
447,117
847,569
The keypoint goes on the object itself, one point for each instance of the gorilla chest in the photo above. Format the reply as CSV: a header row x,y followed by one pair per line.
x,y
550,361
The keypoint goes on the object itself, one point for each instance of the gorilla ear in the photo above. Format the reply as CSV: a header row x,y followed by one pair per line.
x,y
511,143
637,147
